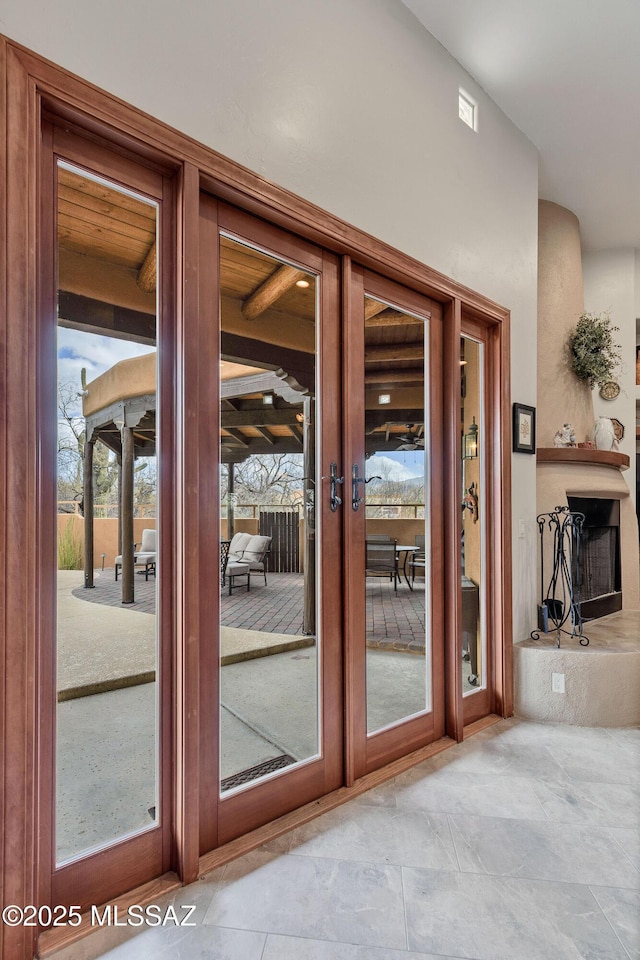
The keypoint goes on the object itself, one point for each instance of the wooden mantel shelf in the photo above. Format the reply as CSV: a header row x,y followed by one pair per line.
x,y
594,458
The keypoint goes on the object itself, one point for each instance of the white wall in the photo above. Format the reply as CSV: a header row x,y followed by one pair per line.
x,y
352,105
610,285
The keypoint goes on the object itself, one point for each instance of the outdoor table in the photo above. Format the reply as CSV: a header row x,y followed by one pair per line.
x,y
406,549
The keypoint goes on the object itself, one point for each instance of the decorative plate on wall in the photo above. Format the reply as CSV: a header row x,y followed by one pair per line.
x,y
609,390
618,428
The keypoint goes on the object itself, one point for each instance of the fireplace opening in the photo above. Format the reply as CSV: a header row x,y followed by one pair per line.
x,y
597,567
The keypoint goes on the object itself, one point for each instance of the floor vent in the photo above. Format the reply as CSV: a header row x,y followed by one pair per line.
x,y
254,773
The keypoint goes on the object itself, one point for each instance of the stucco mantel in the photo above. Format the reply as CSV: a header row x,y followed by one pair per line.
x,y
584,456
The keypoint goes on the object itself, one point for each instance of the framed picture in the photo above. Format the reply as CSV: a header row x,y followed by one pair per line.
x,y
524,428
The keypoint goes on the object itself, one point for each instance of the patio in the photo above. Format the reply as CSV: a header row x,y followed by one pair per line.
x,y
394,621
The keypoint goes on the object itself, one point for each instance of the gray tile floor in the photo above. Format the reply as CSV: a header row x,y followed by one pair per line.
x,y
520,844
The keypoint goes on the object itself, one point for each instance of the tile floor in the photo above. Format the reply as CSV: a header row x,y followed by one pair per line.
x,y
520,844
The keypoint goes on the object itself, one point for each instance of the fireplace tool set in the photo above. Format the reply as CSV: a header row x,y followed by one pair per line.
x,y
560,603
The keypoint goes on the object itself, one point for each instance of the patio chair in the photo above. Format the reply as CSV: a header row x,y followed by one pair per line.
x,y
255,554
145,556
418,561
238,544
247,554
235,569
382,560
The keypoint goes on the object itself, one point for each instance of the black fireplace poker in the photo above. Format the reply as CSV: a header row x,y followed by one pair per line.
x,y
560,601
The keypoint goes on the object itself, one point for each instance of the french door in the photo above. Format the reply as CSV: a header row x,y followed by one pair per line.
x,y
335,633
393,521
268,393
292,422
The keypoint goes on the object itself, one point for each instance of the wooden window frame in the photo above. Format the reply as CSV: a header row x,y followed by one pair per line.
x,y
30,89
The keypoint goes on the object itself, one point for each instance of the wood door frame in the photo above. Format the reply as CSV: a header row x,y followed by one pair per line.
x,y
225,818
462,711
368,752
29,85
98,876
480,703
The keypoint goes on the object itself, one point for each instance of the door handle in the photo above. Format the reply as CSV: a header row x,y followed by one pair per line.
x,y
355,480
334,500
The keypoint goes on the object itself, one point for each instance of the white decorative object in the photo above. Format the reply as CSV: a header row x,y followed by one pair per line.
x,y
565,437
604,434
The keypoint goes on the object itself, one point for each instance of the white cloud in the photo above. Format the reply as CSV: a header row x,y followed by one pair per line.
x,y
390,469
77,349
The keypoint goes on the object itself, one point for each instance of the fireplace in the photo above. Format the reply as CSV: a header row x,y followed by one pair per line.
x,y
597,567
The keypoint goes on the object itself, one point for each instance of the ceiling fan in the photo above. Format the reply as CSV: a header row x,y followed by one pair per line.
x,y
412,440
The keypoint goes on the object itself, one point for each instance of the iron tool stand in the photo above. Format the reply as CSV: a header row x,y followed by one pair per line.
x,y
561,602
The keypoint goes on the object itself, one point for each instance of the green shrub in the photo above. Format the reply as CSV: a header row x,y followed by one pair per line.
x,y
70,547
595,355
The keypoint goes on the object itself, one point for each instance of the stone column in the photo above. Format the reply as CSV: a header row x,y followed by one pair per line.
x,y
562,398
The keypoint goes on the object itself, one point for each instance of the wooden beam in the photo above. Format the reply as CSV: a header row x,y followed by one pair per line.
x,y
266,435
395,376
87,498
96,316
378,418
297,363
372,308
271,381
392,351
257,417
391,318
147,274
281,280
126,512
237,436
293,430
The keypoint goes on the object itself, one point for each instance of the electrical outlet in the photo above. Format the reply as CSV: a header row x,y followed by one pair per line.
x,y
521,529
557,682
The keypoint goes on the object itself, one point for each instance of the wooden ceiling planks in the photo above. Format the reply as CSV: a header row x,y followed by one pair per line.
x,y
100,221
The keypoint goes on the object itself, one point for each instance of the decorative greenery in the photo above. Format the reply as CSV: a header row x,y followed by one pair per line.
x,y
595,355
70,547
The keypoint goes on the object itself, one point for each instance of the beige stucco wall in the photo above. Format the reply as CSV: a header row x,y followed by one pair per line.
x,y
135,377
601,686
562,398
105,535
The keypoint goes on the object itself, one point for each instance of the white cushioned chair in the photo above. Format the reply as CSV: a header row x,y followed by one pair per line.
x,y
255,554
145,556
247,548
237,546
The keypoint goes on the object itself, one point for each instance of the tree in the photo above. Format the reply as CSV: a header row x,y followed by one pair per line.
x,y
267,478
71,441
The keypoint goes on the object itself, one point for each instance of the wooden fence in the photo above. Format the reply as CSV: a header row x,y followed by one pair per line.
x,y
283,526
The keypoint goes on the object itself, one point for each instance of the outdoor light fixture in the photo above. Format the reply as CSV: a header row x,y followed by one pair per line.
x,y
267,399
384,398
470,442
302,283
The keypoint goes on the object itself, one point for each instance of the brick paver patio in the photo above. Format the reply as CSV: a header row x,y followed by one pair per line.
x,y
394,621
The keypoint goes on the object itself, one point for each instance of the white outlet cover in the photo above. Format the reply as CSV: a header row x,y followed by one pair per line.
x,y
557,682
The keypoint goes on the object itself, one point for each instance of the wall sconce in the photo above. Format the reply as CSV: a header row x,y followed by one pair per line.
x,y
470,442
267,399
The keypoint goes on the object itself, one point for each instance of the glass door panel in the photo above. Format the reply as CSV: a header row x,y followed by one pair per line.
x,y
397,543
270,629
107,740
272,719
473,541
393,522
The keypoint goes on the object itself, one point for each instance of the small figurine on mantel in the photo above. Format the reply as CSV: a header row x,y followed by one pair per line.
x,y
565,437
